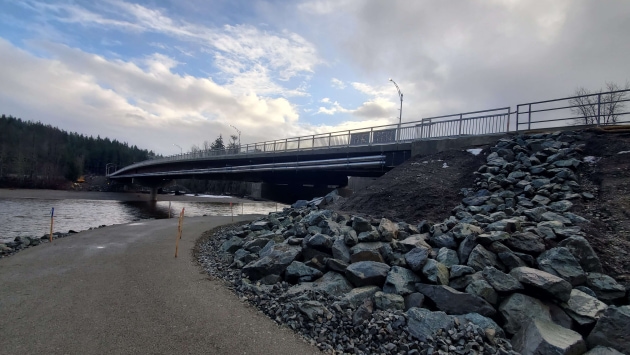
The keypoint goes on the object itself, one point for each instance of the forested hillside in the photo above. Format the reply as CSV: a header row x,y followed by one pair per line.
x,y
32,151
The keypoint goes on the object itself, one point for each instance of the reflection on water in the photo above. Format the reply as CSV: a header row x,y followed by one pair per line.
x,y
31,217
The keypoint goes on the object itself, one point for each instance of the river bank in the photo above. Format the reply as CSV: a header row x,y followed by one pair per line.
x,y
111,196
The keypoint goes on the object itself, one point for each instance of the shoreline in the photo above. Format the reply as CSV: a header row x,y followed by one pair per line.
x,y
106,196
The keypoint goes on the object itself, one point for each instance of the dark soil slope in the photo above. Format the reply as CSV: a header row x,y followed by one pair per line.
x,y
609,180
423,188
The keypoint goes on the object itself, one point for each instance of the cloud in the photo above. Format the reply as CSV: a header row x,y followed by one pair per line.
x,y
325,100
88,93
243,54
336,83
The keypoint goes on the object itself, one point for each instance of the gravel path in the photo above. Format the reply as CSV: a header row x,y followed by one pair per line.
x,y
119,290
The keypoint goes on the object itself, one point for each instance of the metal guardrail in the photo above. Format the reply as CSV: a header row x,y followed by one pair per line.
x,y
604,108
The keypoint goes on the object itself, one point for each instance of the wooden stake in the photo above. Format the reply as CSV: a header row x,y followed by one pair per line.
x,y
52,221
180,228
232,211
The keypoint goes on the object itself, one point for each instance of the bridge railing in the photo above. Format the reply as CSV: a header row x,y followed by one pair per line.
x,y
603,108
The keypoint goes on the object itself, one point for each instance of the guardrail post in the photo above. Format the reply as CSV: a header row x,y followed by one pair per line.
x,y
371,140
286,144
422,128
274,146
329,136
349,135
460,125
599,101
508,119
529,117
313,143
298,148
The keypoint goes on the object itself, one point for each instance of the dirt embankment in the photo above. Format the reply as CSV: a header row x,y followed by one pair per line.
x,y
424,188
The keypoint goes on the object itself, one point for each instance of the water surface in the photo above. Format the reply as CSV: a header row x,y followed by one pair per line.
x,y
31,216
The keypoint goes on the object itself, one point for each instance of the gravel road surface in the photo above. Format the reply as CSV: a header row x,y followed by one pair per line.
x,y
119,290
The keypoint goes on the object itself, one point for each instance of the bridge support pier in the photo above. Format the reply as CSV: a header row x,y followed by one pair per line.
x,y
153,194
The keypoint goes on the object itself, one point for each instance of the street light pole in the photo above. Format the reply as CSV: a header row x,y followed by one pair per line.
x,y
239,137
181,151
400,94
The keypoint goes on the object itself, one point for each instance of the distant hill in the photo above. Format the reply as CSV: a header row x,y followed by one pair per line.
x,y
33,154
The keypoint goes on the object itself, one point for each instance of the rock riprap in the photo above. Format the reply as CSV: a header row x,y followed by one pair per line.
x,y
510,260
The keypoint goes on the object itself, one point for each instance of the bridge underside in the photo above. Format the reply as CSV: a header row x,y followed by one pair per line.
x,y
319,167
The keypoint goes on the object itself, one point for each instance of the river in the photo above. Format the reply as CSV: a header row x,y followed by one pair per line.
x,y
31,216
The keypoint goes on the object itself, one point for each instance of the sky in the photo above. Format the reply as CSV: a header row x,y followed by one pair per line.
x,y
165,73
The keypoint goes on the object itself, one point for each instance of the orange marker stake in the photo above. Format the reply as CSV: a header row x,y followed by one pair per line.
x,y
179,231
52,221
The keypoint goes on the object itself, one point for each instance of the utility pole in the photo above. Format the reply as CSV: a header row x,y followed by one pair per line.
x,y
401,100
239,137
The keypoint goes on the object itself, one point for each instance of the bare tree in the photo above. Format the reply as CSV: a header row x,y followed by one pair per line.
x,y
233,147
601,107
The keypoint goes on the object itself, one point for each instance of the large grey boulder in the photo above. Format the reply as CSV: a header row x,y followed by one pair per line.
x,y
543,282
435,272
320,242
460,270
400,281
480,258
356,296
584,309
417,257
387,301
259,226
465,248
340,250
560,262
414,241
415,299
423,323
451,301
583,253
612,329
483,289
517,309
232,245
361,224
602,350
463,230
366,255
331,283
526,242
388,230
365,273
299,272
448,257
605,287
501,281
275,263
541,336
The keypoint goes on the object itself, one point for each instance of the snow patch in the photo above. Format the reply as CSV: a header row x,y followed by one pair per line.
x,y
624,152
591,159
445,165
209,196
474,151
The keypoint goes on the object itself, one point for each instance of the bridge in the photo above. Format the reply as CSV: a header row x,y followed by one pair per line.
x,y
329,159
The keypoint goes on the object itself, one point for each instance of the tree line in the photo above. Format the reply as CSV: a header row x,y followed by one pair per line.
x,y
35,151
